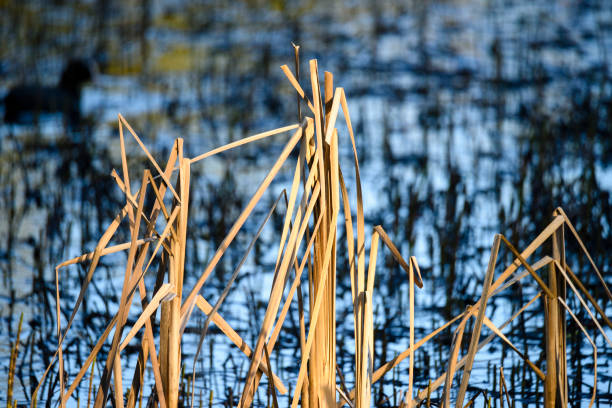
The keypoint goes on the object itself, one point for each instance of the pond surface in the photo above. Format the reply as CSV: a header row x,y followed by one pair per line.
x,y
472,118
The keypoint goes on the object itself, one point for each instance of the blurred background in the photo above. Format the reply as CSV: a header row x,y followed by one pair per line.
x,y
472,117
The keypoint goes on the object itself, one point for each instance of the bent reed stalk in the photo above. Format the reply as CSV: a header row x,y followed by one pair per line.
x,y
318,200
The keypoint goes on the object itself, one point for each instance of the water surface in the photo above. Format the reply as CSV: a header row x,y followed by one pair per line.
x,y
472,118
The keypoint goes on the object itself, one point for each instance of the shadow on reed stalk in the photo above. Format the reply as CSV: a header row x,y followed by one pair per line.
x,y
308,243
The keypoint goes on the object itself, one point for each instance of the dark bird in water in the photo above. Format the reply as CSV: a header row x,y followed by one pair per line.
x,y
24,103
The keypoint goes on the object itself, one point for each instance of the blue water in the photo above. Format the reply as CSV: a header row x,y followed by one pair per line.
x,y
471,117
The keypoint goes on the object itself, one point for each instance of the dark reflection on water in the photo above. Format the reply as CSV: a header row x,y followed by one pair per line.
x,y
472,118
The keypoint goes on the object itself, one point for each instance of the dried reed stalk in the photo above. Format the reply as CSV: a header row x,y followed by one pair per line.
x,y
479,321
317,196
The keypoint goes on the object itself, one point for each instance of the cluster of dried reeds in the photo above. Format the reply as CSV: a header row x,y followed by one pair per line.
x,y
308,243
